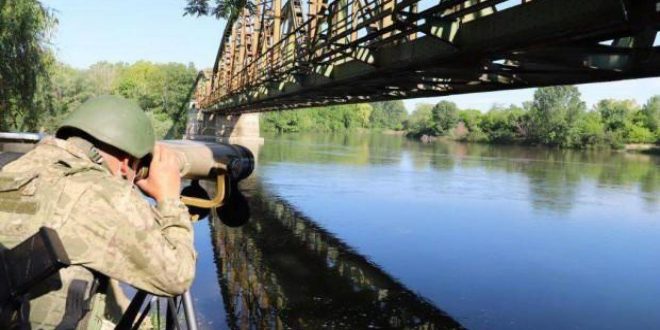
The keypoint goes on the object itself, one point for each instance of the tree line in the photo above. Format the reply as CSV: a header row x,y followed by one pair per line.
x,y
160,89
379,115
556,116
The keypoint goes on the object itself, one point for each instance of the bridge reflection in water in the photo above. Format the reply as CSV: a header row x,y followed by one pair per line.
x,y
281,270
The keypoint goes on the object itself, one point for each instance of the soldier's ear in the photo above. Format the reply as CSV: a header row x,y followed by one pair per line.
x,y
125,166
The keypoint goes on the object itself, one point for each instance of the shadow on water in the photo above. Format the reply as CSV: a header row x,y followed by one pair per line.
x,y
281,270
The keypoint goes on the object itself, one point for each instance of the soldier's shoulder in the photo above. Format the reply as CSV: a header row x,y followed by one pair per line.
x,y
102,183
113,190
41,155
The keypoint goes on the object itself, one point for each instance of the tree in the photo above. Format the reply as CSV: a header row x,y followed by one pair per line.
x,y
103,76
651,115
162,88
280,121
616,115
445,117
228,9
420,121
25,57
625,122
333,118
68,89
471,118
553,115
388,115
161,123
362,114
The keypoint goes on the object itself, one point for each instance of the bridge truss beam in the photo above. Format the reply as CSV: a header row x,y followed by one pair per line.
x,y
286,55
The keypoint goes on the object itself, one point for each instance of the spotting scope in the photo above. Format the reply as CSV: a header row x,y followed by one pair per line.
x,y
203,160
226,164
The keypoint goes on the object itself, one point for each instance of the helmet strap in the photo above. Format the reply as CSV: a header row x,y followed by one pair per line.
x,y
90,150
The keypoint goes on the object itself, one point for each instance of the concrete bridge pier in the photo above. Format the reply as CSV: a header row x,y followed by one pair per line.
x,y
240,129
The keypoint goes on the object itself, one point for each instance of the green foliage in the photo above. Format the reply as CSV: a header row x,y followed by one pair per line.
x,y
504,125
420,121
388,115
626,122
327,119
471,118
160,89
639,134
616,114
362,115
219,9
651,115
25,28
161,123
591,128
445,117
554,115
470,121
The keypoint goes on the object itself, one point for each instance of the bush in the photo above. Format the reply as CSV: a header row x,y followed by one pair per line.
x,y
476,135
504,125
471,118
638,134
591,129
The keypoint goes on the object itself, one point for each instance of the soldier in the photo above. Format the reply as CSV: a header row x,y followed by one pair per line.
x,y
82,183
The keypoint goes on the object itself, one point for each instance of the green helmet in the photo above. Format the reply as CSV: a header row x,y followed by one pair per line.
x,y
115,121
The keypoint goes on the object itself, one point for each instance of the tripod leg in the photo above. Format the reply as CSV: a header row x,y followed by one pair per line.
x,y
189,310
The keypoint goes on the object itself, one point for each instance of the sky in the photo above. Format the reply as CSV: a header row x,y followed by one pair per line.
x,y
131,30
156,30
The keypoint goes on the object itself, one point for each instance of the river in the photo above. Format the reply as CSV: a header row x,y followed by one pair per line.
x,y
377,231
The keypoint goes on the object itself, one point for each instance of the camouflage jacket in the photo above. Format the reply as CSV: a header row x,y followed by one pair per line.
x,y
105,224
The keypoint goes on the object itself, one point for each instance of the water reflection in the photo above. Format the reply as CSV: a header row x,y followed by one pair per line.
x,y
236,210
554,176
500,237
281,270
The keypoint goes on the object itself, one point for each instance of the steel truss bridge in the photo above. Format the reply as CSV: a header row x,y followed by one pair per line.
x,y
286,54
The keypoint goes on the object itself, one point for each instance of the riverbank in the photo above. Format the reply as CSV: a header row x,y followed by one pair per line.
x,y
644,148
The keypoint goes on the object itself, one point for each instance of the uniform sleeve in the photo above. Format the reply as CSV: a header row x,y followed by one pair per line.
x,y
155,254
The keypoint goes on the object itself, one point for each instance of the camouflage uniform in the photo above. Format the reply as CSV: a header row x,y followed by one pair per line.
x,y
105,224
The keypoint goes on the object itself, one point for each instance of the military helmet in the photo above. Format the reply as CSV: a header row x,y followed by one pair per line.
x,y
115,121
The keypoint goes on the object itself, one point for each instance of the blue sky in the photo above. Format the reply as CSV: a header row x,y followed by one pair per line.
x,y
155,30
123,30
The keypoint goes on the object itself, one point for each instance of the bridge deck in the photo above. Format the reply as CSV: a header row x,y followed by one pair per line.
x,y
371,50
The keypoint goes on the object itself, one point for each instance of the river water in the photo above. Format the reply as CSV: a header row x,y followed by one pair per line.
x,y
377,231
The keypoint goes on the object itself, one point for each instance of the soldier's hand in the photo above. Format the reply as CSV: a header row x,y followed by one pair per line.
x,y
164,180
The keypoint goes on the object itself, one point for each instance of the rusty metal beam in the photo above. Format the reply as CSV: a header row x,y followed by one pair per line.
x,y
346,51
